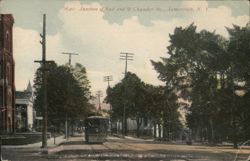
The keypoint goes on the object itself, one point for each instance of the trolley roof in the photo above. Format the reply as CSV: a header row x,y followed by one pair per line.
x,y
97,117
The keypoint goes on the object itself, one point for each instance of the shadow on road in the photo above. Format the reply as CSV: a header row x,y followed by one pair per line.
x,y
74,142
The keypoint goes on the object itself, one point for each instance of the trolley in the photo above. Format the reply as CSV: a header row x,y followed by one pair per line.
x,y
96,129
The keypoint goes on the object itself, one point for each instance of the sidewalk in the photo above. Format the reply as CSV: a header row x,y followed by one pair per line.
x,y
50,143
137,139
131,138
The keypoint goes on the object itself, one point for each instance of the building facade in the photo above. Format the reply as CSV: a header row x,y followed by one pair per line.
x,y
25,113
146,126
7,75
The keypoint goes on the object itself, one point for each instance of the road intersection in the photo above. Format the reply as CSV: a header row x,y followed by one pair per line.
x,y
128,148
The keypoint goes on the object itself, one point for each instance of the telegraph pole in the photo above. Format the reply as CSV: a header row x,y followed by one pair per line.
x,y
108,79
70,55
127,57
43,63
99,95
66,120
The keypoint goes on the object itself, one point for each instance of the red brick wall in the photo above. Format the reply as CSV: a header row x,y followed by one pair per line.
x,y
7,85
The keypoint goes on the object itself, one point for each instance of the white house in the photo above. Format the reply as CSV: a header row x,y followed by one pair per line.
x,y
24,110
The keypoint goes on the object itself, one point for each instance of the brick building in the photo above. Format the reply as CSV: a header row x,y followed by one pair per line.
x,y
7,75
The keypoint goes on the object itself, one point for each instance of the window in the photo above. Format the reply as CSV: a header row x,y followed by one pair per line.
x,y
9,99
7,40
1,96
1,38
8,76
1,70
1,83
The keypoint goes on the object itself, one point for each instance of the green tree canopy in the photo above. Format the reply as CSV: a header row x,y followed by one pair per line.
x,y
68,93
207,69
142,100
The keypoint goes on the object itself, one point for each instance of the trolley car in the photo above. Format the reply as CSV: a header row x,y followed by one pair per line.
x,y
96,129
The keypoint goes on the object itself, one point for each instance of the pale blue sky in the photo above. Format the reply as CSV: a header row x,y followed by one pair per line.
x,y
99,37
28,12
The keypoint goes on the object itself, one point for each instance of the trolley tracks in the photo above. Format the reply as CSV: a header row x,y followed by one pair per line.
x,y
122,149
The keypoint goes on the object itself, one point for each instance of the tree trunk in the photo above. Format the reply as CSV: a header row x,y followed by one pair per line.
x,y
126,127
165,130
201,134
164,124
138,127
159,130
235,139
205,135
212,131
154,130
72,129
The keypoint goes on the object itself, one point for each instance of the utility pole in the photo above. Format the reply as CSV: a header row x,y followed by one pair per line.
x,y
66,117
108,79
126,57
70,55
43,63
99,95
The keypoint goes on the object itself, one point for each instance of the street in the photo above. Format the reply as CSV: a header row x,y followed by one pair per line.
x,y
115,148
173,76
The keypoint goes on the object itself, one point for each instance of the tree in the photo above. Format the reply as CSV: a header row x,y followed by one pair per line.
x,y
80,75
66,94
128,94
144,101
238,50
155,105
207,69
168,99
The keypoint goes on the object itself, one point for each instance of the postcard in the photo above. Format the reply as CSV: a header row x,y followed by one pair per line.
x,y
125,80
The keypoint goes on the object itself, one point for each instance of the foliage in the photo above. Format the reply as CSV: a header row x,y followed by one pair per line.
x,y
142,100
207,70
67,93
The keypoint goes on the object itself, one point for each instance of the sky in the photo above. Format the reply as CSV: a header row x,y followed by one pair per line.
x,y
100,30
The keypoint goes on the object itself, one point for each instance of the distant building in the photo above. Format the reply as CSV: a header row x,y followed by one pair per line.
x,y
146,126
7,75
25,113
